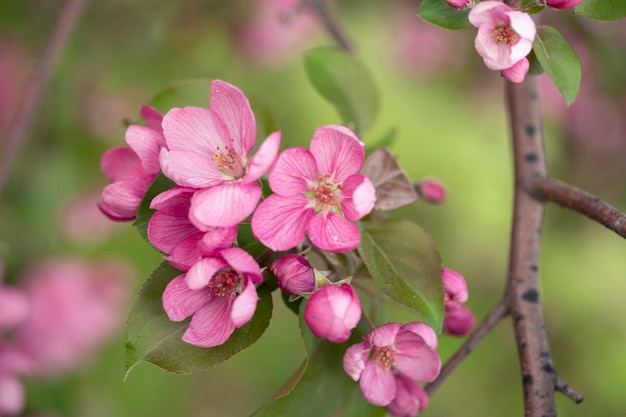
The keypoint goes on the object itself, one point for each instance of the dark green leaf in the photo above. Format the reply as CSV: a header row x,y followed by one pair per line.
x,y
440,13
144,213
559,61
344,81
602,9
404,261
195,92
153,338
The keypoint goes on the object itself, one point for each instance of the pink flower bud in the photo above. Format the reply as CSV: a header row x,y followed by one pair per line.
x,y
459,4
563,4
455,289
432,191
516,73
332,312
459,322
295,275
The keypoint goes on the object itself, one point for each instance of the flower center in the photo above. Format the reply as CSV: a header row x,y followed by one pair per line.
x,y
224,283
385,357
505,34
229,163
326,194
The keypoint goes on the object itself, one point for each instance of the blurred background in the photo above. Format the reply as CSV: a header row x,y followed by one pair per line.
x,y
448,112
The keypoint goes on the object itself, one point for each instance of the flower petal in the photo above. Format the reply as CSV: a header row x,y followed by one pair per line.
x,y
384,335
359,197
377,384
424,330
14,307
211,325
190,169
11,395
195,130
410,399
263,158
337,151
280,222
202,272
242,262
121,163
166,232
332,312
147,144
517,72
415,359
180,301
152,117
233,108
293,171
120,200
244,305
333,232
354,360
224,205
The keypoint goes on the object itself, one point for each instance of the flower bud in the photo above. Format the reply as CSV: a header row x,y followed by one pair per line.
x,y
455,289
432,191
332,312
459,4
459,322
295,274
563,4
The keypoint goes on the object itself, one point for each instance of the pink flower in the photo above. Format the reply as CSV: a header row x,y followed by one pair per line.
x,y
132,169
11,395
410,399
459,322
317,191
455,289
294,274
563,4
459,4
432,191
505,36
517,72
208,149
390,355
14,307
171,231
332,312
219,292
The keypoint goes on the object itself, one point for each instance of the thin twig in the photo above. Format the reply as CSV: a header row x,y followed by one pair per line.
x,y
331,24
562,387
566,195
493,318
21,124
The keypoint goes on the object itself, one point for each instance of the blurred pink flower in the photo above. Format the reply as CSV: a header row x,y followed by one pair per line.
x,y
219,292
432,191
390,355
505,37
332,312
132,168
459,4
317,191
208,149
82,221
75,307
294,274
172,232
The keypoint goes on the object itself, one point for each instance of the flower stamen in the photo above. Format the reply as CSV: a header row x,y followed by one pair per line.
x,y
385,357
505,34
229,163
224,283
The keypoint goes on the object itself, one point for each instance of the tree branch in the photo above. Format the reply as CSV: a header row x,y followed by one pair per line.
x,y
546,189
21,123
331,24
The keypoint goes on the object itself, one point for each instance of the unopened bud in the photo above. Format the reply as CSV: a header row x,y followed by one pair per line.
x,y
295,274
563,4
455,289
459,4
432,191
332,312
459,322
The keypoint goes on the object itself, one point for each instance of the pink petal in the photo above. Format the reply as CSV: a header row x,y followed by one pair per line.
x,y
294,274
211,325
190,169
184,255
378,385
293,171
487,12
233,108
147,144
384,335
354,360
359,197
415,359
263,158
180,302
523,25
337,151
423,330
459,322
242,262
280,222
174,202
244,305
14,307
517,72
410,399
121,199
153,118
202,272
217,238
333,232
166,232
332,312
195,130
225,205
11,395
121,163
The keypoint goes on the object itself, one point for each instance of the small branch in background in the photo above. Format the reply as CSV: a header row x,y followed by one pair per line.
x,y
546,189
489,323
322,9
21,123
562,387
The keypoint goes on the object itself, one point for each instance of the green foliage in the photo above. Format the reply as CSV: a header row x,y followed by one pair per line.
x,y
404,261
440,13
153,338
344,81
559,61
196,92
144,213
602,9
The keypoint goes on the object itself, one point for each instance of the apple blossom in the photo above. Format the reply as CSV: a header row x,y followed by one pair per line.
x,y
459,4
459,322
332,312
455,289
318,192
410,399
432,191
208,149
294,274
563,4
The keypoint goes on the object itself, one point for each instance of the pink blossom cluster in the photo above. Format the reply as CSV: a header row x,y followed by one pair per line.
x,y
206,152
458,320
65,311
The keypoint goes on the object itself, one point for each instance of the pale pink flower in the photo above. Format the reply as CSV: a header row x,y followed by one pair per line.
x,y
563,4
171,231
208,149
459,4
459,322
389,354
517,72
455,288
219,292
432,191
317,192
75,308
294,274
410,399
14,307
505,36
132,168
332,312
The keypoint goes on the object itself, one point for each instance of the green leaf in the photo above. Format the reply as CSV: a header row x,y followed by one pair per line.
x,y
194,92
602,9
144,213
559,61
153,338
404,261
344,81
440,13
